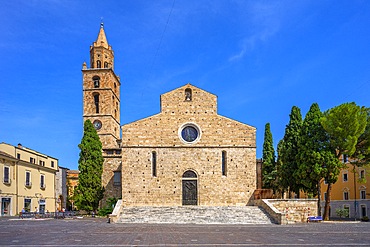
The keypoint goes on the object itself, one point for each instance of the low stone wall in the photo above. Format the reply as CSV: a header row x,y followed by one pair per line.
x,y
289,211
114,216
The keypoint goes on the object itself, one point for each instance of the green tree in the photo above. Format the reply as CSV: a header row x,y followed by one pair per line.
x,y
361,156
345,124
90,164
280,188
268,157
289,152
313,153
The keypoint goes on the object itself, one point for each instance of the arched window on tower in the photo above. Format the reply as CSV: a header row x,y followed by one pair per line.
x,y
105,64
96,80
96,102
188,94
98,64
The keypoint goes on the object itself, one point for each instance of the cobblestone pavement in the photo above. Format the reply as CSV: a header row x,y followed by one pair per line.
x,y
97,232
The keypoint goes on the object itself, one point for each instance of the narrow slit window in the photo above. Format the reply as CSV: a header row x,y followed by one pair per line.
x,y
96,102
154,164
224,163
98,64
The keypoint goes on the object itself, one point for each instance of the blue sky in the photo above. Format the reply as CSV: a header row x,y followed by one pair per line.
x,y
259,57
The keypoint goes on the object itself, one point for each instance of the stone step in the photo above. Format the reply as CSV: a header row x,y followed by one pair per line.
x,y
194,215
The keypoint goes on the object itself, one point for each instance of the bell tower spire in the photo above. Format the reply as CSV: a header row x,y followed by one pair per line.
x,y
101,105
101,53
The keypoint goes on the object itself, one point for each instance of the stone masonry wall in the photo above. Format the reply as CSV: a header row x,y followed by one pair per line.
x,y
141,188
162,133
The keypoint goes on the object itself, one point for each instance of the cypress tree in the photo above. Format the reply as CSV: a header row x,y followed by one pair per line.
x,y
313,153
289,152
268,157
90,164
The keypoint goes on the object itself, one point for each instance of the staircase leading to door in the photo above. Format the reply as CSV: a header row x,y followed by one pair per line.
x,y
194,215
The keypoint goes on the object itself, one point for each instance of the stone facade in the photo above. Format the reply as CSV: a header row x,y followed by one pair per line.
x,y
222,157
101,105
186,154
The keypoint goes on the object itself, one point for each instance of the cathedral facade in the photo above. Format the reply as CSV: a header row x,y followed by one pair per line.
x,y
185,155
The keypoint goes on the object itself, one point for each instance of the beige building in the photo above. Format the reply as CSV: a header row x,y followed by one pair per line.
x,y
351,191
185,155
72,182
28,180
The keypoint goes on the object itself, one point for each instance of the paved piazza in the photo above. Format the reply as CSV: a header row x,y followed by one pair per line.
x,y
97,232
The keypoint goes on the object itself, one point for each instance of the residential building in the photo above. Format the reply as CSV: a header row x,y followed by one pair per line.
x,y
351,192
28,180
72,182
61,188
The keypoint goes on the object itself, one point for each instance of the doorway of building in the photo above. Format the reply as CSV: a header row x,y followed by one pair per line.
x,y
5,206
189,188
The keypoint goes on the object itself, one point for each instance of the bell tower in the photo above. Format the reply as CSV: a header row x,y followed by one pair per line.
x,y
101,105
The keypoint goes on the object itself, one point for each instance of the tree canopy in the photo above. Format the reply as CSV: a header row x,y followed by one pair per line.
x,y
345,124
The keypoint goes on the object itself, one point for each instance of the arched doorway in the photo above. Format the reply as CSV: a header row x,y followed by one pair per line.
x,y
189,188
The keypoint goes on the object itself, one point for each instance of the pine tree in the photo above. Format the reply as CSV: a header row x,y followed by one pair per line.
x,y
289,152
268,157
90,164
345,124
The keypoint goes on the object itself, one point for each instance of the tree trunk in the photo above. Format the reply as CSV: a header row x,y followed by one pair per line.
x,y
327,202
319,198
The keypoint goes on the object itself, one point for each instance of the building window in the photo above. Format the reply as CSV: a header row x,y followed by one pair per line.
x,y
345,158
363,194
105,64
117,178
18,156
28,179
52,163
224,163
345,176
27,204
32,160
42,181
96,80
42,163
98,64
6,178
96,102
346,195
346,207
363,211
154,164
362,174
188,94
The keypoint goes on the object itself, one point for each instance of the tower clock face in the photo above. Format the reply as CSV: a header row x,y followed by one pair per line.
x,y
97,124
